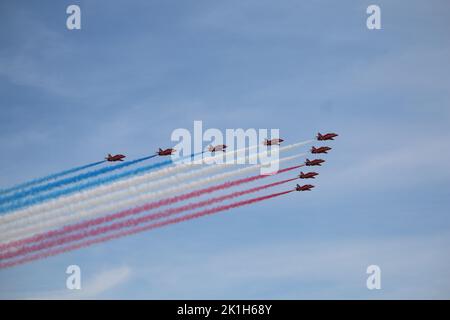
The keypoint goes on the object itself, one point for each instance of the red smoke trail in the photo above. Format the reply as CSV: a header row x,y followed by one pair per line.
x,y
124,233
137,210
133,222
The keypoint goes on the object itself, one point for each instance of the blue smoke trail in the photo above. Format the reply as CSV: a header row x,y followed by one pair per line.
x,y
70,180
49,177
21,203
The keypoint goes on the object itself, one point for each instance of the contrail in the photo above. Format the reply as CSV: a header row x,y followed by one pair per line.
x,y
129,187
79,196
85,233
112,193
119,185
137,210
38,224
49,177
59,183
89,184
135,230
85,194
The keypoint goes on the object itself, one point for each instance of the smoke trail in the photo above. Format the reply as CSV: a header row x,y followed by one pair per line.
x,y
124,188
37,225
119,185
129,223
137,210
39,199
49,177
70,180
89,184
135,230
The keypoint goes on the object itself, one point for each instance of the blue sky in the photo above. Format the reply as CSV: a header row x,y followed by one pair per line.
x,y
137,71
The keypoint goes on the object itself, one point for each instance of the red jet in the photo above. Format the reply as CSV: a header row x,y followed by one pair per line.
x,y
117,157
272,142
306,187
328,136
220,147
166,152
315,162
308,175
320,150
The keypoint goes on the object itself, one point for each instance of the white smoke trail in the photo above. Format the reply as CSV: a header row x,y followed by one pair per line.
x,y
42,226
116,186
75,202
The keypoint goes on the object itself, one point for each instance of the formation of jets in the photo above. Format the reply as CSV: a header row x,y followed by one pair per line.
x,y
222,147
212,149
266,142
315,162
120,157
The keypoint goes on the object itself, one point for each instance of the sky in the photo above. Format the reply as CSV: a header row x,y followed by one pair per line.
x,y
137,71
